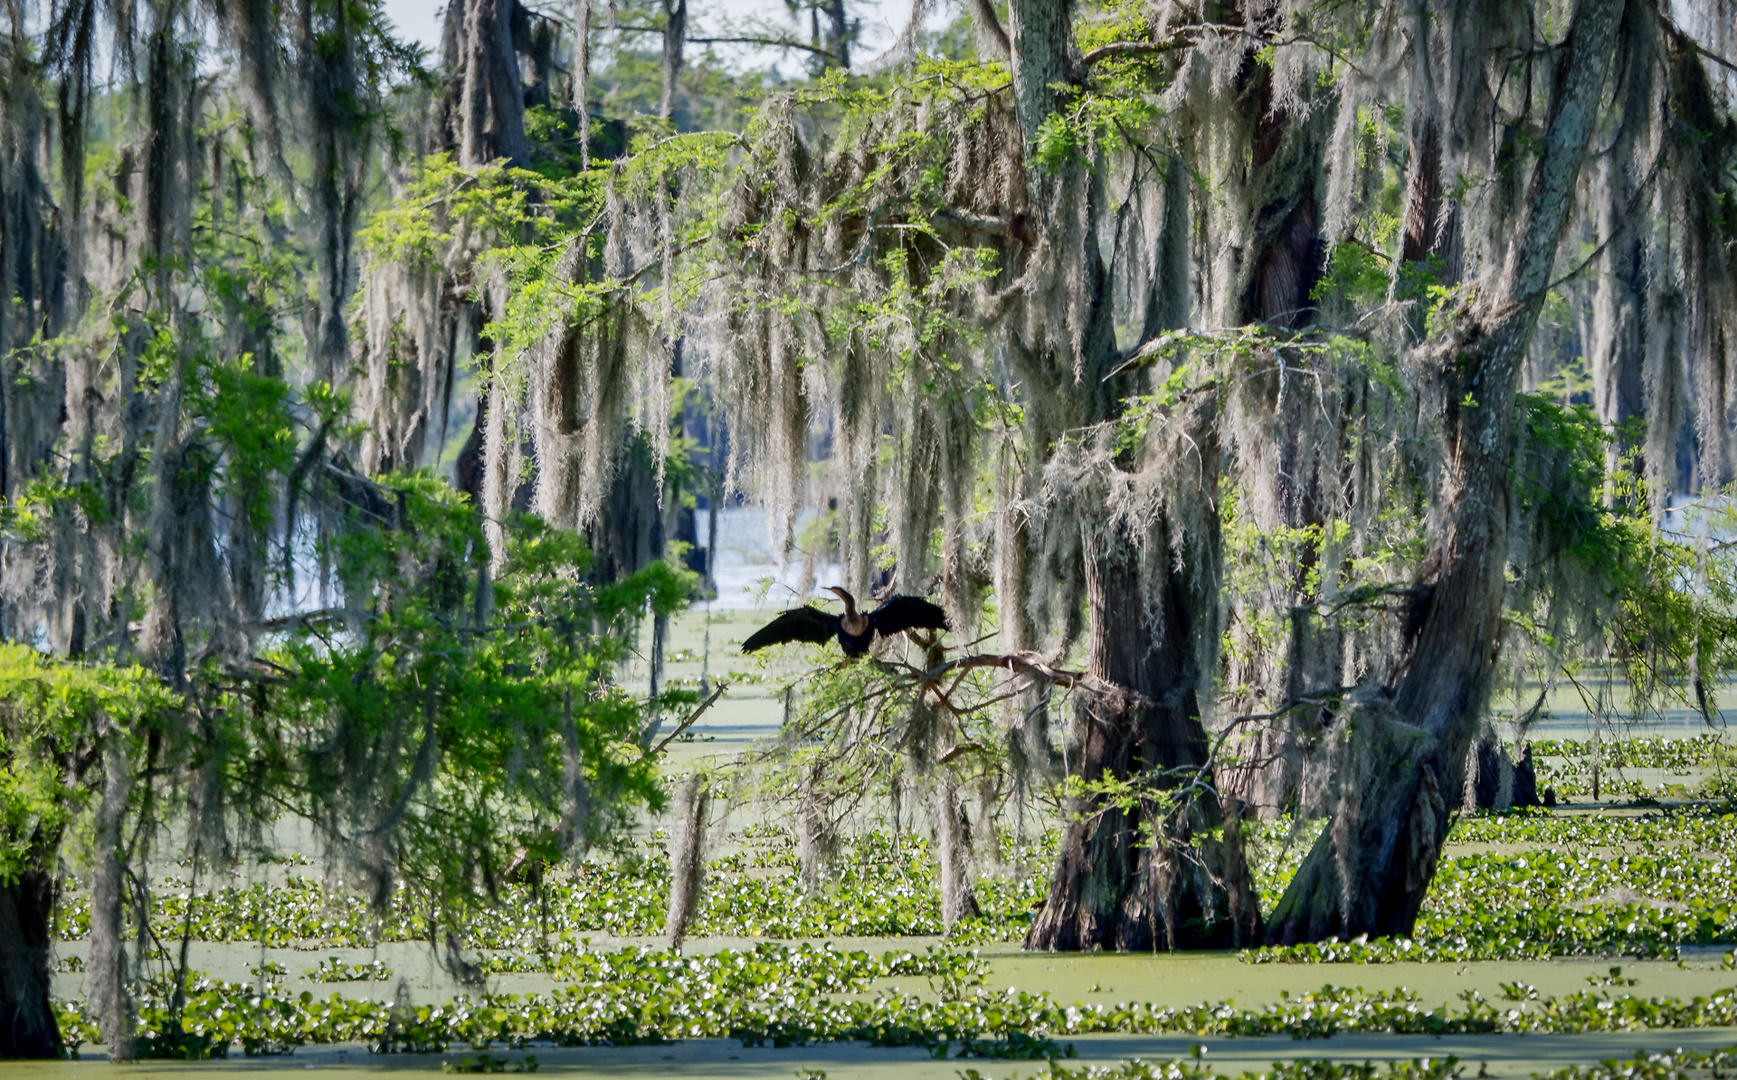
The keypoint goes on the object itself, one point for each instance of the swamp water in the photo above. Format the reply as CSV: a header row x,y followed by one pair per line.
x,y
706,643
1161,980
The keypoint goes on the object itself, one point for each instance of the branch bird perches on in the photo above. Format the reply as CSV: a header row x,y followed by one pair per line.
x,y
854,630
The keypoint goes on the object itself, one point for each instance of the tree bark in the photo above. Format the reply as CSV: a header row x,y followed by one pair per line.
x,y
106,981
1618,350
27,1025
992,43
1153,876
1159,875
580,80
1285,250
1042,42
953,851
1408,741
484,101
675,30
1278,200
687,858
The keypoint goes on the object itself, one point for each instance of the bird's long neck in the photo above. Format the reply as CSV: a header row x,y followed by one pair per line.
x,y
852,622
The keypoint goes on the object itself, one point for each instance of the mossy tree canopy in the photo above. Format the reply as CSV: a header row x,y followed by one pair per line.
x,y
1309,376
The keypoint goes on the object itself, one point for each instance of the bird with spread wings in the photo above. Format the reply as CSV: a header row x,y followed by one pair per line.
x,y
855,631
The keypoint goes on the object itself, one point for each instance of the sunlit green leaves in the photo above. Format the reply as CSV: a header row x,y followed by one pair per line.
x,y
53,716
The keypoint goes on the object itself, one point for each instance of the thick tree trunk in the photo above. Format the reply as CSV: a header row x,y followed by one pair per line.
x,y
27,1024
840,35
1029,748
1618,352
687,859
484,102
1285,249
992,43
953,851
1152,877
1042,41
675,29
1161,875
106,981
1405,745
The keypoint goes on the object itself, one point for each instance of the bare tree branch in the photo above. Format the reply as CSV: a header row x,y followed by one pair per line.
x,y
1132,48
689,720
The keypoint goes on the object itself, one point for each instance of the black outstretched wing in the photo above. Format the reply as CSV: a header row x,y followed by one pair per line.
x,y
797,624
901,613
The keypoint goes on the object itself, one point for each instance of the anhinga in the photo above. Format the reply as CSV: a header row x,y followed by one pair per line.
x,y
854,630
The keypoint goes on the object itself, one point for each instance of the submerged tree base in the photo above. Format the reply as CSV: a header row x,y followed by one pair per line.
x,y
1152,859
1368,871
27,1024
1110,891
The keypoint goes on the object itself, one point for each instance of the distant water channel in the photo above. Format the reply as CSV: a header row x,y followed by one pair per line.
x,y
749,571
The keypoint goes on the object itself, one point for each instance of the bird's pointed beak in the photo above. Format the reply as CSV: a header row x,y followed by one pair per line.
x,y
834,590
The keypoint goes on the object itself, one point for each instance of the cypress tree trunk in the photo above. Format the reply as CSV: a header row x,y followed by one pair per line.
x,y
687,858
675,28
953,851
1152,877
27,1024
1042,39
483,105
1618,348
106,982
1368,872
1156,876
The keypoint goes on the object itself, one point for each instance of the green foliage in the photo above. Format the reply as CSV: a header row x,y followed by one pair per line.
x,y
1447,1068
1665,608
1090,122
54,717
453,723
1356,272
1700,766
30,514
775,996
335,969
452,715
1675,1065
488,1063
873,890
442,723
1646,752
248,418
1574,890
493,202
